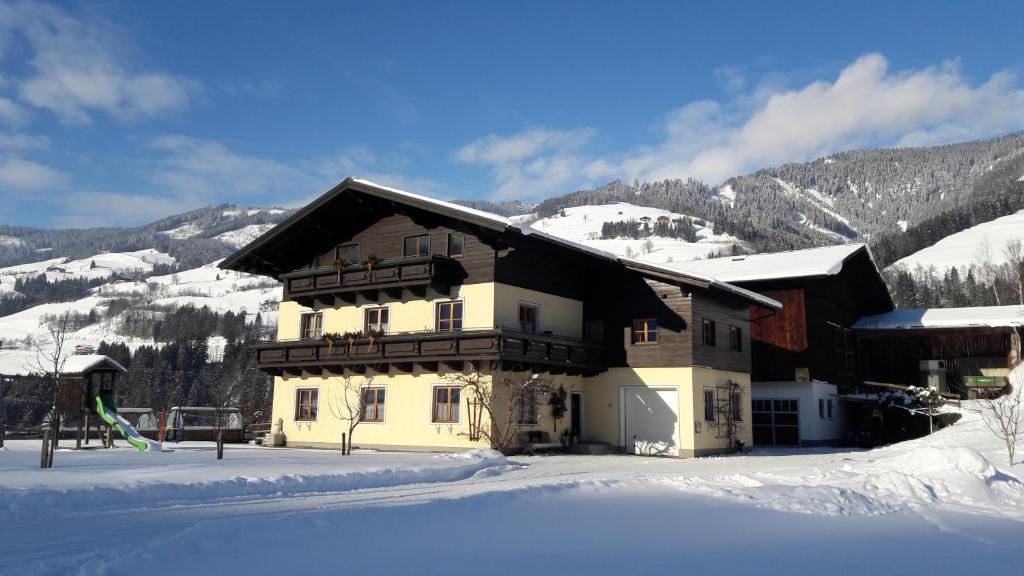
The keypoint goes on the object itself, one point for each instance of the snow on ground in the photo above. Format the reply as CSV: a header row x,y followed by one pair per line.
x,y
244,235
814,198
11,241
98,266
220,290
961,249
946,504
582,224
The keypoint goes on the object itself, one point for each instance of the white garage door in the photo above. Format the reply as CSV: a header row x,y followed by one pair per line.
x,y
650,420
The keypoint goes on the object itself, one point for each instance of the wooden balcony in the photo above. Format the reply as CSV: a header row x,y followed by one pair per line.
x,y
326,285
433,352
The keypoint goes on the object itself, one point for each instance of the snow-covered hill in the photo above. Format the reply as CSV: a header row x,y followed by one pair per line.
x,y
961,250
128,264
221,291
582,224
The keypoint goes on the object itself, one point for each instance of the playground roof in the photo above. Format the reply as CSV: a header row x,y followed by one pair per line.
x,y
82,364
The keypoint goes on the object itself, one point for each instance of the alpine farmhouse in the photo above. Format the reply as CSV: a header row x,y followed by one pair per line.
x,y
405,295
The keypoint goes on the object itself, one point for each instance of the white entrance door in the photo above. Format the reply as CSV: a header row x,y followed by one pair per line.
x,y
650,420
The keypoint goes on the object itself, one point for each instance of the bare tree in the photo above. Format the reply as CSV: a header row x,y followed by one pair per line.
x,y
349,406
49,359
987,268
1014,252
1004,417
503,400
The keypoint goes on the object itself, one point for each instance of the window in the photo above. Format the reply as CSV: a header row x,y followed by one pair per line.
x,y
528,317
449,316
821,407
736,405
735,339
709,405
376,319
709,332
645,331
348,253
317,261
456,244
446,404
373,404
305,404
829,409
526,408
312,326
417,245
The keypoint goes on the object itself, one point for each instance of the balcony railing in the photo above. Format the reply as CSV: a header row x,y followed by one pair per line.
x,y
432,352
390,276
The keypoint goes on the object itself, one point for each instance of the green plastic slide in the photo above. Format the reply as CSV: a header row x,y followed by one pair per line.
x,y
108,413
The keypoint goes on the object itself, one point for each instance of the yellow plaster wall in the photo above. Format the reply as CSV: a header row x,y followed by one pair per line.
x,y
562,316
707,438
407,420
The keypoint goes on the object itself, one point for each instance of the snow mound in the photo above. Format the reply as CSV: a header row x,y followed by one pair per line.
x,y
931,460
476,455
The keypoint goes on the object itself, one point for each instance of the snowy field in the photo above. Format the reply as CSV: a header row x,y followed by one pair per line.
x,y
961,249
948,504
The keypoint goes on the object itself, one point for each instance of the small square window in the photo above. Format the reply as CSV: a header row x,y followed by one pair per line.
x,y
376,319
821,407
416,246
447,400
456,244
645,331
347,254
830,409
449,316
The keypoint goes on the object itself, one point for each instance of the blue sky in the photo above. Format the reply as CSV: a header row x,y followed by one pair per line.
x,y
117,113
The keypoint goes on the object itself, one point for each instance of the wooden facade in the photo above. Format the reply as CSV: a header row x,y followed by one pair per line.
x,y
811,337
307,252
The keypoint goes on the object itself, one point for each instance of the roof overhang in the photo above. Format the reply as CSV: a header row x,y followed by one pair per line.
x,y
249,259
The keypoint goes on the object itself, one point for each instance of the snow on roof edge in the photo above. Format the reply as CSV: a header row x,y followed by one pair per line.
x,y
923,318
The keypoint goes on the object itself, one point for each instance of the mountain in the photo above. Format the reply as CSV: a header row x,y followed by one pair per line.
x,y
859,195
192,238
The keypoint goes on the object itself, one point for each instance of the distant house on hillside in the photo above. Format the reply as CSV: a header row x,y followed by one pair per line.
x,y
663,219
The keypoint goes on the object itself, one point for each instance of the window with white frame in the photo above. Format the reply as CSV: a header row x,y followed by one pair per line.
x,y
377,319
373,403
311,326
446,404
527,409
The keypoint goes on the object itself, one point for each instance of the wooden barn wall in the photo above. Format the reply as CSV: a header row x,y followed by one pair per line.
x,y
893,356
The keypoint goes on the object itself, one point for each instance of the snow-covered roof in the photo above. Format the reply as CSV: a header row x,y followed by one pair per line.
x,y
486,219
712,282
82,363
824,261
981,316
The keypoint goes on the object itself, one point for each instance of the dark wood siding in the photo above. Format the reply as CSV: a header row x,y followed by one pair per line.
x,y
384,239
724,312
539,266
618,298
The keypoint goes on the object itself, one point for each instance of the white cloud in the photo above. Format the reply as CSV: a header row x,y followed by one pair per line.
x,y
529,163
78,66
21,174
91,209
209,171
11,113
866,105
23,142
